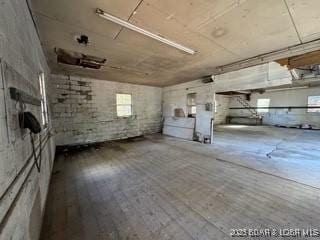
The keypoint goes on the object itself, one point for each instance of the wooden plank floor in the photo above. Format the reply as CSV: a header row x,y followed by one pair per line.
x,y
151,189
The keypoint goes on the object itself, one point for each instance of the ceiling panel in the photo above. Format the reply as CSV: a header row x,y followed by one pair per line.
x,y
192,13
56,34
253,28
306,18
81,13
151,18
221,31
157,22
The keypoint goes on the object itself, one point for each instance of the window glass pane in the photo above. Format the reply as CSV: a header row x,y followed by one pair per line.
x,y
124,107
127,99
44,109
191,99
263,105
314,101
123,98
124,110
191,103
119,99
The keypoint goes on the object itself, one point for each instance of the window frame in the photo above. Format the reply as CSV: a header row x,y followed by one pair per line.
x,y
43,100
215,104
263,110
131,105
316,110
190,106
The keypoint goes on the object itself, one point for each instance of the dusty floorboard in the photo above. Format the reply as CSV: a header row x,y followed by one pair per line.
x,y
153,189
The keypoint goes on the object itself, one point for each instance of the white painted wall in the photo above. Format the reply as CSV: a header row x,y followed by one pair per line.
x,y
180,127
23,190
176,97
297,97
222,109
261,76
84,110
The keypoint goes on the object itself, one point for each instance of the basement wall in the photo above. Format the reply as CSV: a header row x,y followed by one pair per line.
x,y
23,189
84,110
297,97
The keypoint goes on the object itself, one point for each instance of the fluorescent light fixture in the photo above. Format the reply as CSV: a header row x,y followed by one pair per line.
x,y
132,27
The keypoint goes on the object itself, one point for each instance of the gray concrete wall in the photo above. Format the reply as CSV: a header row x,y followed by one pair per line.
x,y
84,110
297,97
23,190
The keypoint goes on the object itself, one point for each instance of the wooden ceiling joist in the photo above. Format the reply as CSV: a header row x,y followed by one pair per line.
x,y
300,61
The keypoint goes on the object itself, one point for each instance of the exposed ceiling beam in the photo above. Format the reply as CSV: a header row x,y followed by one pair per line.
x,y
233,93
307,59
271,56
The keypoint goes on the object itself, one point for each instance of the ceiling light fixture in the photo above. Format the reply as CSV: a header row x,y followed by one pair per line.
x,y
132,27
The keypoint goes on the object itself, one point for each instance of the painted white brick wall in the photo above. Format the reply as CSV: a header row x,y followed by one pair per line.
x,y
222,105
84,110
22,189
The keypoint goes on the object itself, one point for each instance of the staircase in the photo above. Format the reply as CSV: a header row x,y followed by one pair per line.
x,y
247,106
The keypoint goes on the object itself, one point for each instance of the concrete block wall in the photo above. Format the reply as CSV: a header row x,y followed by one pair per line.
x,y
23,189
222,109
84,110
285,116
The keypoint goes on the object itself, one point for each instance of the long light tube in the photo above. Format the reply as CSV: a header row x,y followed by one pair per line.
x,y
128,25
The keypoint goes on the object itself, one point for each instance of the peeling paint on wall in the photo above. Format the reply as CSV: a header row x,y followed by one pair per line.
x,y
87,112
